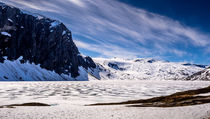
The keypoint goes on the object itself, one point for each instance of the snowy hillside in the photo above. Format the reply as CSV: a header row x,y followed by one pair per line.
x,y
110,69
35,48
144,69
17,71
202,75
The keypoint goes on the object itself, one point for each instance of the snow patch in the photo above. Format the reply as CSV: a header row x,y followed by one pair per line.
x,y
5,34
64,32
10,20
204,94
54,24
83,75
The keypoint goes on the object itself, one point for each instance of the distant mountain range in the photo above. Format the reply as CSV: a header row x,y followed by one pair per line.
x,y
145,69
36,48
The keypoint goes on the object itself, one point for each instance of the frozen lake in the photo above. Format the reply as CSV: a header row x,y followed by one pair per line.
x,y
93,91
68,99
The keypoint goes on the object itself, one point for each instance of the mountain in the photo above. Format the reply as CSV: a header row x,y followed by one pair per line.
x,y
36,48
201,75
143,69
33,47
198,65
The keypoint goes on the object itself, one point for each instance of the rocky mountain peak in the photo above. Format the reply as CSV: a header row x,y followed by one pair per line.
x,y
39,40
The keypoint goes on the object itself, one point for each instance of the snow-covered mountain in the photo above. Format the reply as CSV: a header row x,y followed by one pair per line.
x,y
144,69
33,47
201,75
36,48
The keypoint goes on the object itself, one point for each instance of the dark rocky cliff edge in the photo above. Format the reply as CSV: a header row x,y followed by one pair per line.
x,y
39,40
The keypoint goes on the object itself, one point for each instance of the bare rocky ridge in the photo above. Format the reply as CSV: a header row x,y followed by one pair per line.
x,y
39,40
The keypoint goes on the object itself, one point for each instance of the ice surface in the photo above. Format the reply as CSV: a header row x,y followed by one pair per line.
x,y
98,91
69,99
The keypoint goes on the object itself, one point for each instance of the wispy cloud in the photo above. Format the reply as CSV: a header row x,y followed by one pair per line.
x,y
77,2
112,28
107,50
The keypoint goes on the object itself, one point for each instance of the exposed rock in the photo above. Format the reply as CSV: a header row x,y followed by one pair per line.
x,y
201,75
39,40
198,65
115,66
25,104
151,61
86,62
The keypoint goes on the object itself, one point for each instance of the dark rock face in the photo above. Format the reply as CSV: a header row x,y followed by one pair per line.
x,y
198,65
115,66
86,62
151,61
39,40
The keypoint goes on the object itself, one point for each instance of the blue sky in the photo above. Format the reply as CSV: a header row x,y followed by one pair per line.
x,y
194,13
164,29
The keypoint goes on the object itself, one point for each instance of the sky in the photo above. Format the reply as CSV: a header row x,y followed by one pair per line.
x,y
173,30
194,13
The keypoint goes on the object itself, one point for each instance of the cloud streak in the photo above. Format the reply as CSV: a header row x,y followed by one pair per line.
x,y
112,28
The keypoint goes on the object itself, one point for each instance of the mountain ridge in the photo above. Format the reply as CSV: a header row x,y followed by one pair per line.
x,y
39,40
32,46
144,69
201,75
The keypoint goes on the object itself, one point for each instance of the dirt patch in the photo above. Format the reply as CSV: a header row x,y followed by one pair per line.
x,y
24,104
185,98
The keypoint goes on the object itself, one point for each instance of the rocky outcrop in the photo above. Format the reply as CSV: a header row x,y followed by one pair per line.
x,y
203,75
39,40
197,65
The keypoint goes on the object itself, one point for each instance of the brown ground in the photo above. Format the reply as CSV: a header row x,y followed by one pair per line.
x,y
24,104
185,98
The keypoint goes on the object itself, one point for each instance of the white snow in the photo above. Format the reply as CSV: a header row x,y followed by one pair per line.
x,y
32,14
205,74
40,17
204,94
5,34
122,70
83,74
64,32
68,100
54,24
15,71
143,69
10,20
